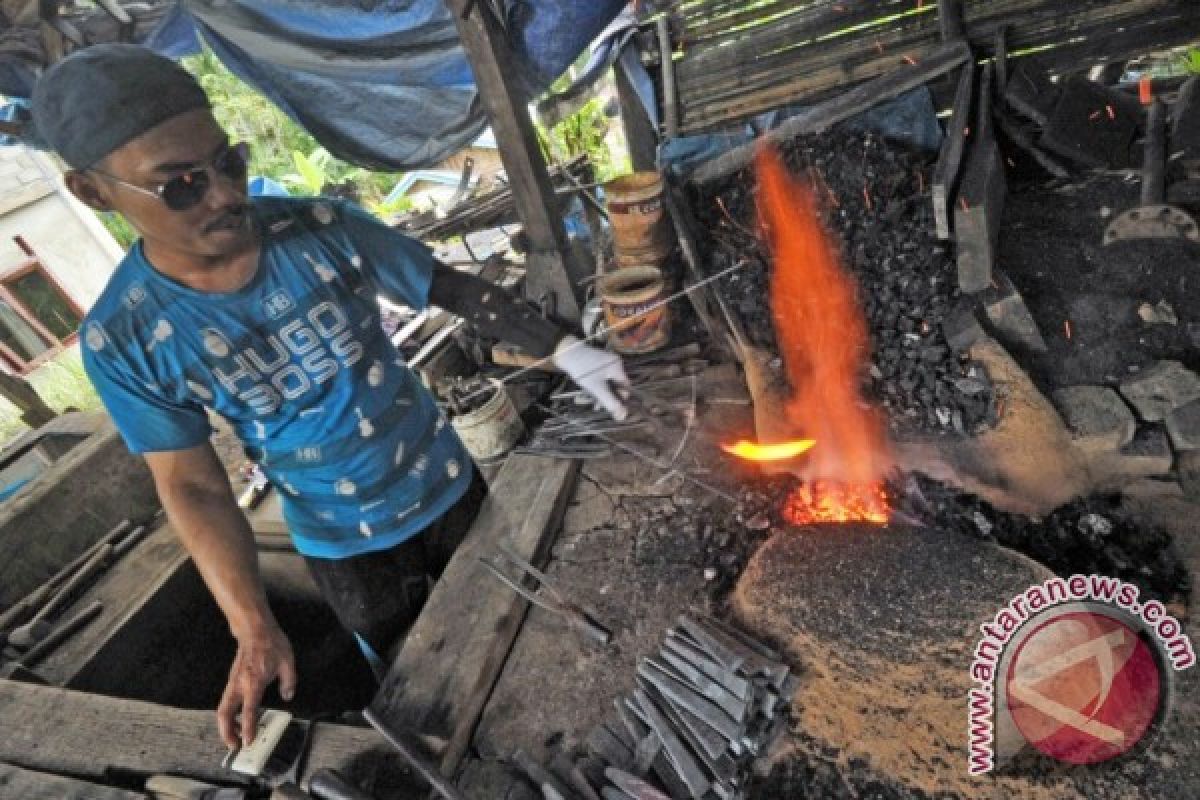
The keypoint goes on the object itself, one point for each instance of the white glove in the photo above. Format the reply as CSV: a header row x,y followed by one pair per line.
x,y
598,372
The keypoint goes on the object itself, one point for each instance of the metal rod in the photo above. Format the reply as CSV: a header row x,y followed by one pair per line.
x,y
652,462
418,760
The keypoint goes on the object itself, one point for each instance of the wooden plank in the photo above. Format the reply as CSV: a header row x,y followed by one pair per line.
x,y
441,679
55,730
640,136
981,199
670,98
946,171
824,115
780,63
26,784
496,71
950,19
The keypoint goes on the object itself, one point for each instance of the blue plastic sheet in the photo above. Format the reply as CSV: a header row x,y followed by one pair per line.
x,y
909,119
380,83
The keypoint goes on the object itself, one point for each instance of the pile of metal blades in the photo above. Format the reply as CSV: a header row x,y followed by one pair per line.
x,y
705,705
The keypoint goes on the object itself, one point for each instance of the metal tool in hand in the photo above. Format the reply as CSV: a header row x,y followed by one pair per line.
x,y
547,595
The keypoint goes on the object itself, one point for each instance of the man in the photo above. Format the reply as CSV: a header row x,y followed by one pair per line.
x,y
265,312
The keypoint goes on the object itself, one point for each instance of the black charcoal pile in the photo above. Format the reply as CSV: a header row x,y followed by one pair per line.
x,y
1087,536
877,199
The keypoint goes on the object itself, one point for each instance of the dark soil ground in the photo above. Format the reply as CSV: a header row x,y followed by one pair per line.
x,y
1050,245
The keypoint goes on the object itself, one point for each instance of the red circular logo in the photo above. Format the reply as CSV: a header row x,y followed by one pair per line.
x,y
1084,687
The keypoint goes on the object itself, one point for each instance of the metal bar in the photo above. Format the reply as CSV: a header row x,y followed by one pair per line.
x,y
680,757
415,758
682,650
681,694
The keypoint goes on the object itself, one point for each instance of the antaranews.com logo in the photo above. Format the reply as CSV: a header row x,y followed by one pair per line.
x,y
1077,668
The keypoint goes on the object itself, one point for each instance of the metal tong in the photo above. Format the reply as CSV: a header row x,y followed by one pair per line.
x,y
547,595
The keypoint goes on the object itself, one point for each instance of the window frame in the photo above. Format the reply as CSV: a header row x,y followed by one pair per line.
x,y
32,263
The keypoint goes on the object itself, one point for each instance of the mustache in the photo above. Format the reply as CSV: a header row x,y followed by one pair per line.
x,y
231,215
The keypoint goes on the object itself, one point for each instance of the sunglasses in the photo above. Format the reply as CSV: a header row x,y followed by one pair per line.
x,y
187,189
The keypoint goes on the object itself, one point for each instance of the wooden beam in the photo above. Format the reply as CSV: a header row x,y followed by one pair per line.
x,y
34,411
496,74
950,158
981,199
950,19
640,136
670,96
823,115
440,681
27,784
48,729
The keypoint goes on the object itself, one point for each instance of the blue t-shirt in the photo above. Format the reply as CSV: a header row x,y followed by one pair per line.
x,y
298,362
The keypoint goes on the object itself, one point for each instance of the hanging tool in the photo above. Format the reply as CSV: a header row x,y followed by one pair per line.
x,y
35,630
1154,218
547,595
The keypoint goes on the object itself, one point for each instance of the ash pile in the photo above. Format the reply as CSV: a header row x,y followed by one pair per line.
x,y
876,201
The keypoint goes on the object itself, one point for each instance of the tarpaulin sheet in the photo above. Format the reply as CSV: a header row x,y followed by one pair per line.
x,y
381,83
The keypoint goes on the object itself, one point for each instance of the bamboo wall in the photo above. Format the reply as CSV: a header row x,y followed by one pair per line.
x,y
736,58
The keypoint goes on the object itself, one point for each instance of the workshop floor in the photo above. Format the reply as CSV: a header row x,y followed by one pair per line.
x,y
639,545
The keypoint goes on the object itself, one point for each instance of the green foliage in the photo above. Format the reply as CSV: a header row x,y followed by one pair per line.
x,y
387,208
62,383
1190,61
279,148
119,227
584,132
310,175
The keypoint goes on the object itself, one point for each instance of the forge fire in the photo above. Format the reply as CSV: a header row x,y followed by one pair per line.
x,y
822,337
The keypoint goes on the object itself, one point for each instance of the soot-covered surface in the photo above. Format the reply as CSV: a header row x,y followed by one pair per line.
x,y
877,201
1050,245
1091,535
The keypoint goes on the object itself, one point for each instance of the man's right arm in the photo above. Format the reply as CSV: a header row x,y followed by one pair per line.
x,y
199,501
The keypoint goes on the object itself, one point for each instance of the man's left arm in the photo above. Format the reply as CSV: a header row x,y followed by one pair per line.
x,y
405,271
499,314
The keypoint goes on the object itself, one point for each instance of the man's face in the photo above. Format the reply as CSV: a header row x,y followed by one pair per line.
x,y
217,226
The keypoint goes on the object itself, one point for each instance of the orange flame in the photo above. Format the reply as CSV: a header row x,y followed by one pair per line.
x,y
822,337
780,451
826,501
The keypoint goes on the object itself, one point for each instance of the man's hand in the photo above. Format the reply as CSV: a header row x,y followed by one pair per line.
x,y
261,658
598,372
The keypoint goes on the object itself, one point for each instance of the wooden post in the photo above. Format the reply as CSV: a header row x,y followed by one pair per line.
x,y
950,16
547,283
640,136
670,99
34,411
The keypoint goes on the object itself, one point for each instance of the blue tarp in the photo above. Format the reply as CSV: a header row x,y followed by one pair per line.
x,y
384,84
380,83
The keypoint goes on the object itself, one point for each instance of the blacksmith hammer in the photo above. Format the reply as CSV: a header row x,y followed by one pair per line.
x,y
1154,218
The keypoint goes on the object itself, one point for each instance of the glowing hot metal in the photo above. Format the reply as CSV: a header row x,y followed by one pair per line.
x,y
781,451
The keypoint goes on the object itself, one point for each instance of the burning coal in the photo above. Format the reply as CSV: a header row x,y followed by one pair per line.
x,y
822,337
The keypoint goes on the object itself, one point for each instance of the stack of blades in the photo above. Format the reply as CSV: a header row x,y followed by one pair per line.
x,y
706,704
